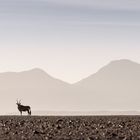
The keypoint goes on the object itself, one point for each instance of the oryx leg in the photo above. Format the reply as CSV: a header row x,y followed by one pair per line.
x,y
28,112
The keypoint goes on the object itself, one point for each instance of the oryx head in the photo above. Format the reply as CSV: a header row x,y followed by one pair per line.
x,y
18,102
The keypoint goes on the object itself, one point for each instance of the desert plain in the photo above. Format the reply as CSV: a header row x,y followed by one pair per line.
x,y
69,127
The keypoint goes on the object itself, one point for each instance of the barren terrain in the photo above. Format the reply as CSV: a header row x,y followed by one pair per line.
x,y
66,128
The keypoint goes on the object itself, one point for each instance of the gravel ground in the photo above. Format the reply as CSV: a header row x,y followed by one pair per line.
x,y
70,128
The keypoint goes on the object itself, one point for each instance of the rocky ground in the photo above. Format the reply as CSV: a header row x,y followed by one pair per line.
x,y
70,128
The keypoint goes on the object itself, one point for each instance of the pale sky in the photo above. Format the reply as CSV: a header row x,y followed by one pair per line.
x,y
70,40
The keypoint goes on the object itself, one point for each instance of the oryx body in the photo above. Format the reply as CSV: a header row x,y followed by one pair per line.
x,y
23,108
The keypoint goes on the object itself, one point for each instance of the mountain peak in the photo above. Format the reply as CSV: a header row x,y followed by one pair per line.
x,y
118,70
118,67
37,70
123,61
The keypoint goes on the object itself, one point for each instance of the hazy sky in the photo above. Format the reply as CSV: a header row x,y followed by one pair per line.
x,y
69,39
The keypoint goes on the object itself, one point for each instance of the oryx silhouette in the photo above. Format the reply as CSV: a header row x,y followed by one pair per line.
x,y
23,108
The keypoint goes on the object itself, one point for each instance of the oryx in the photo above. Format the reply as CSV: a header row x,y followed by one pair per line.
x,y
23,108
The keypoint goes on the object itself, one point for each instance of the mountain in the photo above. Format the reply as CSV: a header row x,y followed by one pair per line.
x,y
35,78
116,73
34,87
115,87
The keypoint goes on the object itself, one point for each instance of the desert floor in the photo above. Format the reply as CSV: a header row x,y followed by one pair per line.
x,y
70,128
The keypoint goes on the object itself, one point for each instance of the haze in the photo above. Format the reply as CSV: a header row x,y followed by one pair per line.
x,y
68,39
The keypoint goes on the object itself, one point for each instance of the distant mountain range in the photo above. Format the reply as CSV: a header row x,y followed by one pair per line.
x,y
114,87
